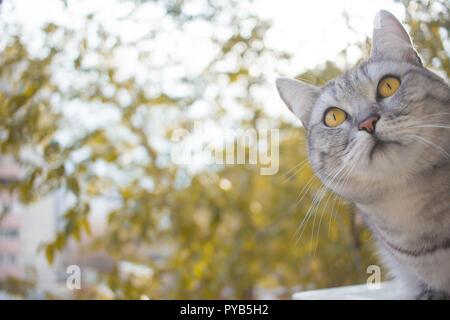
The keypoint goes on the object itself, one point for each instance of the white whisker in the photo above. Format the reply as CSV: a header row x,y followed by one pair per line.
x,y
303,163
433,126
316,200
419,138
299,164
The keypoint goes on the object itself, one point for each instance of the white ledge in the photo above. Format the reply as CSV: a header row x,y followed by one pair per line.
x,y
387,291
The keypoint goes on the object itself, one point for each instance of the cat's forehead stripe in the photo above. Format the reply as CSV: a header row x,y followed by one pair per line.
x,y
349,82
331,87
363,67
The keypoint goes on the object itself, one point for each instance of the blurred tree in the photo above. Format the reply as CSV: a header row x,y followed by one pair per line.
x,y
429,24
227,231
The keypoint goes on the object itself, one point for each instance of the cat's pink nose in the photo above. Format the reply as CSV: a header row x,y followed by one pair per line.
x,y
369,123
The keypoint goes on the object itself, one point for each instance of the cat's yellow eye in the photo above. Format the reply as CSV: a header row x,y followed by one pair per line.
x,y
388,86
334,117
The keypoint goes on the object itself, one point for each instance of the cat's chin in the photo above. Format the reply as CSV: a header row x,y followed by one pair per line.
x,y
373,175
381,146
377,155
384,158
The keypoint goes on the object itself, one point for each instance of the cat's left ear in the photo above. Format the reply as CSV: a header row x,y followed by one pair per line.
x,y
390,40
299,97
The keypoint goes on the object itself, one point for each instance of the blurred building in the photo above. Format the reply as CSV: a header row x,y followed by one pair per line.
x,y
10,247
23,229
10,224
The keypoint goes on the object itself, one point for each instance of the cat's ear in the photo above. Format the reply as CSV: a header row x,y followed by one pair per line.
x,y
299,97
390,40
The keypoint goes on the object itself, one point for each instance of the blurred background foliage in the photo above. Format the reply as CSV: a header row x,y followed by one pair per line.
x,y
225,231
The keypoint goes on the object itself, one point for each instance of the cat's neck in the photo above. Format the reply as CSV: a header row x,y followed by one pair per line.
x,y
412,203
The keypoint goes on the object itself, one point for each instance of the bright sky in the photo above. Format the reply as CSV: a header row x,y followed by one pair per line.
x,y
314,31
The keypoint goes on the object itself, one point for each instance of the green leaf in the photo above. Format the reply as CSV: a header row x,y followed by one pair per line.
x,y
60,241
50,253
72,185
86,225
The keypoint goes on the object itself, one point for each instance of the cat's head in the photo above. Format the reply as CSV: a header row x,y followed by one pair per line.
x,y
382,122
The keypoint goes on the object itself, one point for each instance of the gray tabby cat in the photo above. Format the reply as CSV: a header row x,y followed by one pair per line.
x,y
379,136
